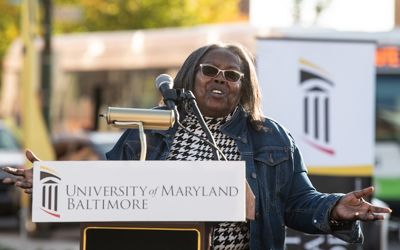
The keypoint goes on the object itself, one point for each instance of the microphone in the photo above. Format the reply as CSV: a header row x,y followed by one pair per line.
x,y
165,84
130,118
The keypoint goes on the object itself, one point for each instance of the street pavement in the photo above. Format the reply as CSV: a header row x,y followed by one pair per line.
x,y
67,238
60,239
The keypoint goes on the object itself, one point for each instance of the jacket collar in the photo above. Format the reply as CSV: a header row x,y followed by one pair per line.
x,y
236,126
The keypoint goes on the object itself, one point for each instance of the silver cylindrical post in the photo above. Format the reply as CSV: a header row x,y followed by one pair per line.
x,y
150,118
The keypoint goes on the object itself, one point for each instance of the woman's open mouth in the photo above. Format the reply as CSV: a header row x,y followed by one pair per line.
x,y
216,93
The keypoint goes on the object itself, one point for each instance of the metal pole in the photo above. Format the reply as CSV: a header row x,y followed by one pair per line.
x,y
28,78
46,62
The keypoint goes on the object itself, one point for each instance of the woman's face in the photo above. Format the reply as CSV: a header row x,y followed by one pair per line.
x,y
215,96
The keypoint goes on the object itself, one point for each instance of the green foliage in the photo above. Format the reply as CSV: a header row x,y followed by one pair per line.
x,y
101,15
105,15
9,25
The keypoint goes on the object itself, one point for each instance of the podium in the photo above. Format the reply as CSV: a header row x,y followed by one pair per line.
x,y
142,204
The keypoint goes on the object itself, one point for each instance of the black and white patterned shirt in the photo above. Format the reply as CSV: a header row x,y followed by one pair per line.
x,y
186,147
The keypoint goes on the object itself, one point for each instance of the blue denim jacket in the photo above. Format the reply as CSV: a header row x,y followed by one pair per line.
x,y
275,172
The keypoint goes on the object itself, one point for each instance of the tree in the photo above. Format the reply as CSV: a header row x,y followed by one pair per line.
x,y
9,25
319,7
101,15
104,15
296,13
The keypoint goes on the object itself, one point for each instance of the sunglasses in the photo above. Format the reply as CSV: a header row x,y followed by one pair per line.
x,y
228,75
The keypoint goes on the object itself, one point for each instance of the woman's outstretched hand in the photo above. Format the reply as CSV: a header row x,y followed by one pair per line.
x,y
26,182
352,206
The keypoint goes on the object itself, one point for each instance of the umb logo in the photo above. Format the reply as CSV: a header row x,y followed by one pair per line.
x,y
49,180
316,84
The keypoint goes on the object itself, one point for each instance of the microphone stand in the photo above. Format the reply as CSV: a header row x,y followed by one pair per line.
x,y
177,96
192,100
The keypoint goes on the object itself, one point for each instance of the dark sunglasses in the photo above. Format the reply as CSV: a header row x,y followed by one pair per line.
x,y
228,75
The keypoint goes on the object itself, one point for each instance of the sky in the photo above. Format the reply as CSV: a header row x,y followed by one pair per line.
x,y
346,15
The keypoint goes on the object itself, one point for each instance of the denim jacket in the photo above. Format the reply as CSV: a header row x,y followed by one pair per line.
x,y
275,172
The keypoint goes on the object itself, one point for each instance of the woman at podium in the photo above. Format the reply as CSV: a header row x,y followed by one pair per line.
x,y
223,79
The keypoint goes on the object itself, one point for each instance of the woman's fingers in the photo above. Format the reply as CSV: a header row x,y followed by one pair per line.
x,y
374,209
27,174
364,192
23,184
9,181
19,172
352,206
368,216
367,211
31,156
14,171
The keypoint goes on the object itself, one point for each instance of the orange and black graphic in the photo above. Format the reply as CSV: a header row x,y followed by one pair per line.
x,y
49,180
316,85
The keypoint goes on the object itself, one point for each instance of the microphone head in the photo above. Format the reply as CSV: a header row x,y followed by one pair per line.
x,y
164,79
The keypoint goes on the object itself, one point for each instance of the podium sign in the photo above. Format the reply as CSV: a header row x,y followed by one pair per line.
x,y
101,191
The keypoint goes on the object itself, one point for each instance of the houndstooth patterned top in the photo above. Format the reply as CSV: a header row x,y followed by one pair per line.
x,y
226,235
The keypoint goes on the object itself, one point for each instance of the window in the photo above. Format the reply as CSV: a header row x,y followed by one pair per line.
x,y
388,107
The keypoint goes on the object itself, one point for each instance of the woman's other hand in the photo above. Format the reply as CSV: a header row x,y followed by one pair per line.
x,y
352,206
26,182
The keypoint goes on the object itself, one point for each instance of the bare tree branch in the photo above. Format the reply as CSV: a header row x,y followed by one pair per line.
x,y
297,11
320,7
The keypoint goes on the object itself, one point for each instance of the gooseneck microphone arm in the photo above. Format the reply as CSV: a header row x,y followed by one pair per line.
x,y
192,100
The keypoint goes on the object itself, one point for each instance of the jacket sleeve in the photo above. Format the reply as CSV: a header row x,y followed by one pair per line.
x,y
308,210
122,150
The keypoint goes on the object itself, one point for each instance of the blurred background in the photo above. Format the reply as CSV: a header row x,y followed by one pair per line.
x,y
64,62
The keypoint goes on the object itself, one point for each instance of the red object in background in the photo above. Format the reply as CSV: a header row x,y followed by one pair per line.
x,y
387,57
